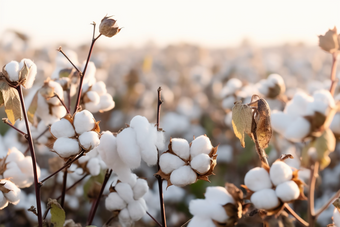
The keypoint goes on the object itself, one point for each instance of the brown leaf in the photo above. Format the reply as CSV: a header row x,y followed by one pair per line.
x,y
300,184
11,101
329,41
3,164
286,156
32,108
336,203
1,99
23,73
235,192
241,120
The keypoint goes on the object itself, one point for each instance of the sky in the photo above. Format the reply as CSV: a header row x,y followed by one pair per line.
x,y
211,23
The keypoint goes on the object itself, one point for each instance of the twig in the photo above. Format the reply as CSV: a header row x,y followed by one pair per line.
x,y
6,121
186,222
159,224
322,209
37,184
333,73
295,215
75,183
62,102
76,68
63,191
312,180
160,180
96,203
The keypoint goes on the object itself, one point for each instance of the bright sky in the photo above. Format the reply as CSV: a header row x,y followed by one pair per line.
x,y
212,23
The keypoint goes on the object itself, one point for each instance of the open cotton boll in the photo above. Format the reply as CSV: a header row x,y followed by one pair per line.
x,y
265,199
99,87
141,126
83,121
323,100
141,187
13,196
3,201
66,147
124,190
62,128
208,209
257,179
124,217
58,111
297,129
14,155
181,148
183,176
169,162
336,217
12,69
218,195
89,140
298,105
287,191
280,121
14,173
200,145
106,102
114,202
128,149
200,221
201,163
136,210
93,96
93,107
107,149
335,124
58,90
93,166
280,172
32,71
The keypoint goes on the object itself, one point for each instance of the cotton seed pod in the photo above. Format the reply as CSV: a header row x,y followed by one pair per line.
x,y
265,199
22,73
257,179
287,191
329,42
108,27
201,163
280,172
200,145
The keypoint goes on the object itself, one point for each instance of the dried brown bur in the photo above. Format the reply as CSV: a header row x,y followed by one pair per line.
x,y
241,120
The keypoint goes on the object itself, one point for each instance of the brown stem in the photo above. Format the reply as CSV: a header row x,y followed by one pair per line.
x,y
62,52
295,215
37,184
322,209
63,191
311,193
75,183
159,224
62,102
40,135
6,121
96,203
333,73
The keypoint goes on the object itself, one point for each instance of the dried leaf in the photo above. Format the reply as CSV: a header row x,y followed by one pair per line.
x,y
23,73
3,165
1,100
286,156
11,101
329,41
336,203
46,91
241,120
32,108
324,145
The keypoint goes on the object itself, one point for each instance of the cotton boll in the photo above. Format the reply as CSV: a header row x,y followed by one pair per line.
x,y
124,190
183,176
93,166
14,173
322,101
280,172
201,163
265,199
13,196
32,71
336,217
257,179
58,111
335,124
89,140
66,147
128,149
287,191
200,145
12,69
169,162
200,221
136,210
208,209
141,126
93,96
26,167
298,105
58,90
83,121
280,121
141,187
93,107
62,128
160,143
297,129
99,88
181,148
3,201
14,155
124,217
114,202
218,195
83,159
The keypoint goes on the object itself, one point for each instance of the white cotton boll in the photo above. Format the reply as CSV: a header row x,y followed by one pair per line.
x,y
257,179
201,163
335,124
3,201
265,199
93,96
200,221
280,121
169,162
12,68
181,148
336,217
280,172
66,147
83,159
136,210
160,143
323,100
128,149
90,72
62,128
275,79
114,202
200,145
218,195
183,176
93,166
92,107
58,111
228,102
141,187
208,209
297,129
32,71
124,190
89,140
106,102
14,155
133,180
124,217
108,148
99,87
14,173
13,196
83,121
298,105
287,191
58,90
26,167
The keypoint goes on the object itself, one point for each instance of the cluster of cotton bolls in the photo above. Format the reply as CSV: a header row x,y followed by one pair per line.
x,y
292,122
127,198
92,162
14,72
272,187
206,212
183,164
75,133
97,99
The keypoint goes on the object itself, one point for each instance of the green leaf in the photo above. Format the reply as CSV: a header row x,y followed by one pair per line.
x,y
32,108
57,213
324,145
241,120
11,101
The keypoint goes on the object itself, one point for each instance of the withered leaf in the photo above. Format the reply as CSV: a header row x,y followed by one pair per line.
x,y
241,120
286,156
11,102
1,100
329,41
324,145
336,203
23,73
32,108
46,91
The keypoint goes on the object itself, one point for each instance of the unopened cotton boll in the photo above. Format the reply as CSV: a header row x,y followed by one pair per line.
x,y
83,121
169,162
287,191
200,145
257,179
265,199
136,210
208,209
280,172
106,102
124,190
62,128
114,202
183,176
128,149
32,71
181,148
13,196
200,221
297,129
66,147
218,195
201,163
140,188
89,140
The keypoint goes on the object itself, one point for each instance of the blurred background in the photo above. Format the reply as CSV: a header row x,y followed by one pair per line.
x,y
189,48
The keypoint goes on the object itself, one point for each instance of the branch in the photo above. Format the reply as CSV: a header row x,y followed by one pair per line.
x,y
295,215
333,73
63,191
62,102
159,224
311,193
76,68
75,183
6,121
322,209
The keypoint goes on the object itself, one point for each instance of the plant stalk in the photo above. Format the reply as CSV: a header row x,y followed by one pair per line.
x,y
295,215
333,73
313,175
63,191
